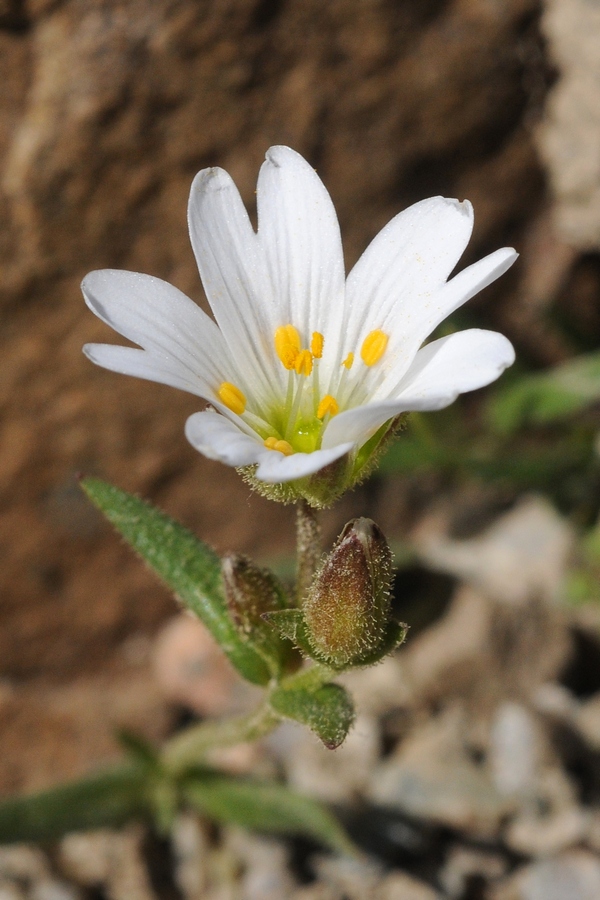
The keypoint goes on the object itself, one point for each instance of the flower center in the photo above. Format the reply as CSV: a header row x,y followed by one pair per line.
x,y
296,424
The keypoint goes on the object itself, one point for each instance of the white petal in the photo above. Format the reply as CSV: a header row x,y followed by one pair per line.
x,y
411,257
299,233
455,364
275,467
233,273
428,312
219,438
141,364
161,319
465,285
441,371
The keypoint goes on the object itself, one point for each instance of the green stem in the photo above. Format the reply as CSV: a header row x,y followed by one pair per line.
x,y
190,747
308,539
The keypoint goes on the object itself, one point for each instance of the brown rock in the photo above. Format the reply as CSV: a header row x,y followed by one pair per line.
x,y
401,886
432,775
192,670
572,876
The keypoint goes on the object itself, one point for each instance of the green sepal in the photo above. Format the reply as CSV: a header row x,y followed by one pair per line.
x,y
326,710
319,490
290,625
263,806
395,635
188,566
106,800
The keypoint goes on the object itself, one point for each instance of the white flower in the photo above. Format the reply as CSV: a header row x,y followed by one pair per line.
x,y
301,366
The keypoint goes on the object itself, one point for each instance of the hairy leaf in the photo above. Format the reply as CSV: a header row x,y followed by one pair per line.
x,y
328,710
264,806
105,800
188,566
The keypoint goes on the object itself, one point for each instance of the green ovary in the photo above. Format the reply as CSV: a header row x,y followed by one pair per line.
x,y
306,436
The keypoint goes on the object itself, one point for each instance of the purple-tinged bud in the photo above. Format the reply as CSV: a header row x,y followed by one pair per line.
x,y
250,592
347,610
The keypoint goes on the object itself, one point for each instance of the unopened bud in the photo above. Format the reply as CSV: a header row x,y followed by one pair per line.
x,y
348,606
250,592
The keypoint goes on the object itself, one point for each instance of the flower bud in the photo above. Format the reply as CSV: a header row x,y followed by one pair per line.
x,y
250,592
348,606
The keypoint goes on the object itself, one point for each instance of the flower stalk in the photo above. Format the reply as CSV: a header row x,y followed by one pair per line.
x,y
190,747
308,548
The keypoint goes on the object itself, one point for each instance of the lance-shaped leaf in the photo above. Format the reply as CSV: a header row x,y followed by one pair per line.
x,y
263,806
105,800
188,566
326,710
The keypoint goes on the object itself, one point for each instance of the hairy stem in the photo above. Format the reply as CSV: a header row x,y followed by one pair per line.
x,y
308,537
189,747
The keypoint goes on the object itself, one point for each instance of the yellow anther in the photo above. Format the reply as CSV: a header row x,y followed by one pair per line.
x,y
327,405
304,363
287,345
373,347
348,361
316,345
273,443
231,397
283,447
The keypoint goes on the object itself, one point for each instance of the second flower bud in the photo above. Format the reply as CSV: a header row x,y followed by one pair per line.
x,y
347,611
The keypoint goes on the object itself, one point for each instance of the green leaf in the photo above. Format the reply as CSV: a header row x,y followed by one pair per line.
x,y
188,566
328,710
264,806
105,800
139,750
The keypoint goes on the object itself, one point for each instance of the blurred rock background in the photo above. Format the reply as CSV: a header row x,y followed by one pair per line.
x,y
108,109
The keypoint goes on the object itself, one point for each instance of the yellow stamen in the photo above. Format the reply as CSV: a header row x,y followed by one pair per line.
x,y
273,443
231,397
283,447
316,345
287,345
327,405
304,363
348,361
373,347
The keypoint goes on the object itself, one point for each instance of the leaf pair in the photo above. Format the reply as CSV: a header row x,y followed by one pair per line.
x,y
111,798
